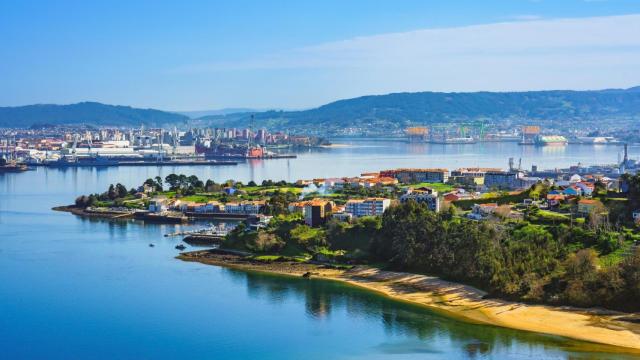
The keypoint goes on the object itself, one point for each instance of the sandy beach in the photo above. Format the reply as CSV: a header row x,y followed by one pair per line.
x,y
460,301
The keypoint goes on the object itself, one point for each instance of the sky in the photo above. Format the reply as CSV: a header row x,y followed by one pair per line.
x,y
200,55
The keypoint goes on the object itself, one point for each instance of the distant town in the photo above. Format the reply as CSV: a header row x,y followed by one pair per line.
x,y
63,146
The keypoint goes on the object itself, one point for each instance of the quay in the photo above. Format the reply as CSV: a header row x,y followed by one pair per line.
x,y
137,163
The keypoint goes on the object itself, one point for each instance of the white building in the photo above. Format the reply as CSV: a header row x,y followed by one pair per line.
x,y
423,196
158,205
367,207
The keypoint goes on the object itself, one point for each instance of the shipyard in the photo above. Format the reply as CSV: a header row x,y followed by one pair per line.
x,y
90,147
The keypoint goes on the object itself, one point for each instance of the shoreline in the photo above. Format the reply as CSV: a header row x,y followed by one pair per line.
x,y
100,214
607,330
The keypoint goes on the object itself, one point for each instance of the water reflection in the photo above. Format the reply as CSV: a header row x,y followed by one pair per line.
x,y
424,330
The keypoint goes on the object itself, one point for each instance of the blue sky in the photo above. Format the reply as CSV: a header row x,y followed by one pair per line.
x,y
194,55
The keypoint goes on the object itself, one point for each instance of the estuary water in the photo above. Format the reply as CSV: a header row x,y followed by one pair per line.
x,y
73,288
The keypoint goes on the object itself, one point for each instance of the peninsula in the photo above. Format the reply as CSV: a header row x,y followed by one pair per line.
x,y
541,254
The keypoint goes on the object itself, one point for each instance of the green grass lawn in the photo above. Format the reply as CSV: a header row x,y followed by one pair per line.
x,y
550,215
199,198
264,189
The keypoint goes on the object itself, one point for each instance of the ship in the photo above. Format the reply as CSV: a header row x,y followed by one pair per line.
x,y
456,140
13,167
79,161
235,151
547,140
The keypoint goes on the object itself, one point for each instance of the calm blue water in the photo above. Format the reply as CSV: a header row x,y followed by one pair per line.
x,y
73,288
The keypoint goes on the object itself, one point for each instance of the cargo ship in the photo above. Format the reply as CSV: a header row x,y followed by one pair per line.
x,y
237,151
550,140
230,151
79,161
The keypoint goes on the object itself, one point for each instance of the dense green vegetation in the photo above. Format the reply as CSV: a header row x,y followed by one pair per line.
x,y
552,264
115,196
545,256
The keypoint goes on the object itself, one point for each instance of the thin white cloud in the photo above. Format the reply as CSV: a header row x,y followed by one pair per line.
x,y
579,53
598,36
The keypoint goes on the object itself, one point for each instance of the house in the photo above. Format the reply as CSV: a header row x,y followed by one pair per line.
x,y
451,196
245,208
502,180
586,187
586,206
304,182
367,207
253,207
145,189
209,207
481,211
471,176
317,211
199,207
409,176
555,199
297,207
334,182
233,208
423,195
158,205
572,191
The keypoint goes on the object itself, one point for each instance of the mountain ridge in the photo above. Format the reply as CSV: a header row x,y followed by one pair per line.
x,y
86,112
389,111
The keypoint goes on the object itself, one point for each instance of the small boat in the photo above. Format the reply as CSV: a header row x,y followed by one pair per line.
x,y
151,245
180,247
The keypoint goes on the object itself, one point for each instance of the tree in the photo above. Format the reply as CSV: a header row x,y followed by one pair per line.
x,y
277,204
121,191
252,183
630,272
82,201
581,274
111,192
158,184
193,181
173,181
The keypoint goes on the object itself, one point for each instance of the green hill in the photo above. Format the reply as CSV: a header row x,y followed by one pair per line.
x,y
381,112
90,113
402,109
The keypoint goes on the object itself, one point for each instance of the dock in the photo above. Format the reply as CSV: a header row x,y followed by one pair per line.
x,y
138,163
